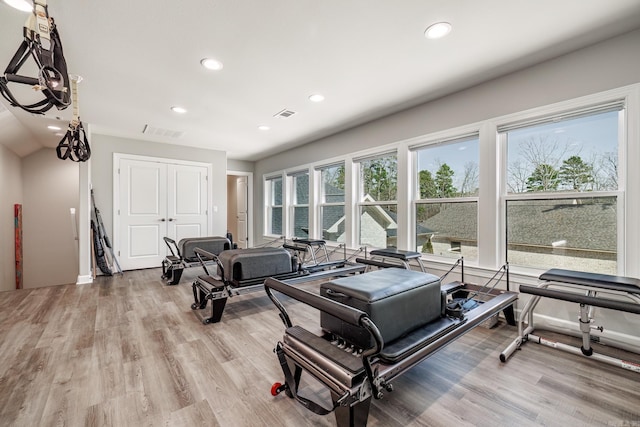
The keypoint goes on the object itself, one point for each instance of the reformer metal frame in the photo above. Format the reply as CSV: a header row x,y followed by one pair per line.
x,y
597,293
353,388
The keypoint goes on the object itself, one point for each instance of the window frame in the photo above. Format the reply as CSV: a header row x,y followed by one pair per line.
x,y
416,199
292,204
549,114
321,201
361,203
269,205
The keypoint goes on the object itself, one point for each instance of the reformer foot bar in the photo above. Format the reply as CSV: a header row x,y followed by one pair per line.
x,y
183,255
589,290
376,326
241,271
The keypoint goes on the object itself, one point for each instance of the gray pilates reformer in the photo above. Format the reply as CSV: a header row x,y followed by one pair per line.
x,y
589,290
313,255
356,373
183,255
241,271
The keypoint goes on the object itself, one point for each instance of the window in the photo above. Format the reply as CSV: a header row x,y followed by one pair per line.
x,y
332,216
446,208
562,190
378,208
299,204
273,196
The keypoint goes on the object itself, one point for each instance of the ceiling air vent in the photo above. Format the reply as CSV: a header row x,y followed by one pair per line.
x,y
155,131
284,114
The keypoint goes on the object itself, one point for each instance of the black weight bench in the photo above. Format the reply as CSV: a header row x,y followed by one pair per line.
x,y
183,255
588,290
376,326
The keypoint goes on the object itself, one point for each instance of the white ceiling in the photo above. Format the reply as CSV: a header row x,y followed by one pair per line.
x,y
367,57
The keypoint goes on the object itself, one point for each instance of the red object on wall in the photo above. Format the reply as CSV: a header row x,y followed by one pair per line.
x,y
17,215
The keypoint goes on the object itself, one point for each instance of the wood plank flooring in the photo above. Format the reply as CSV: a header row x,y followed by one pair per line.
x,y
128,351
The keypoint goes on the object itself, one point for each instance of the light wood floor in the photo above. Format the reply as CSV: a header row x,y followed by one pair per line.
x,y
129,351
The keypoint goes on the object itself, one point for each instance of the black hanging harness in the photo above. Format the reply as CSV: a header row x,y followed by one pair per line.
x,y
42,43
74,145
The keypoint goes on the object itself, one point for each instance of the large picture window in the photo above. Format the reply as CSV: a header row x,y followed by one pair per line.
x,y
563,194
273,196
332,215
378,208
446,208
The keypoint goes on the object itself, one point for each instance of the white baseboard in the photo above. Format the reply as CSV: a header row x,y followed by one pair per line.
x,y
84,280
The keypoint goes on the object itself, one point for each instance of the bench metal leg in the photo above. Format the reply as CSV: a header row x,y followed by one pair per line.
x,y
217,307
352,416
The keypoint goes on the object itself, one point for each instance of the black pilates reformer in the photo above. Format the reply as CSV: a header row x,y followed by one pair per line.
x,y
183,255
589,290
242,271
375,326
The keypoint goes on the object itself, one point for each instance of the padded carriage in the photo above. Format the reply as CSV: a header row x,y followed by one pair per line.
x,y
241,267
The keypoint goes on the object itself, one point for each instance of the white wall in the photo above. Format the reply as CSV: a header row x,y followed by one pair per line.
x,y
10,194
103,147
50,188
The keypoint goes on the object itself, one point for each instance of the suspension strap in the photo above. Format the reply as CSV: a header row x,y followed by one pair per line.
x,y
42,43
75,144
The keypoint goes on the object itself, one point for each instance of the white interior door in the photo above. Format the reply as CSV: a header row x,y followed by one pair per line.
x,y
242,222
187,214
158,199
142,213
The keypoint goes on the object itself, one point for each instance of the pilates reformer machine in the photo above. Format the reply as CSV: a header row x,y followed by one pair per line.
x,y
183,255
242,271
375,327
589,290
313,255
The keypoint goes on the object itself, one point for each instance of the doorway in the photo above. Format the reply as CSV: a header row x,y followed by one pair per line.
x,y
239,207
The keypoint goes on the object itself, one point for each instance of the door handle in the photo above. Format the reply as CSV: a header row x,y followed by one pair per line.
x,y
162,219
172,219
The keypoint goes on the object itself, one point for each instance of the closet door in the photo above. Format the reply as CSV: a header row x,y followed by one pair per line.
x,y
158,199
186,201
142,213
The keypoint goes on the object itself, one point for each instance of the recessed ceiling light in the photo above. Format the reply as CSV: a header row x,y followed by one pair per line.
x,y
179,110
316,97
23,5
51,127
211,64
264,127
437,30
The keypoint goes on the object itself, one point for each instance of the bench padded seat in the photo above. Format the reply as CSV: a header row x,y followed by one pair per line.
x,y
603,281
397,300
